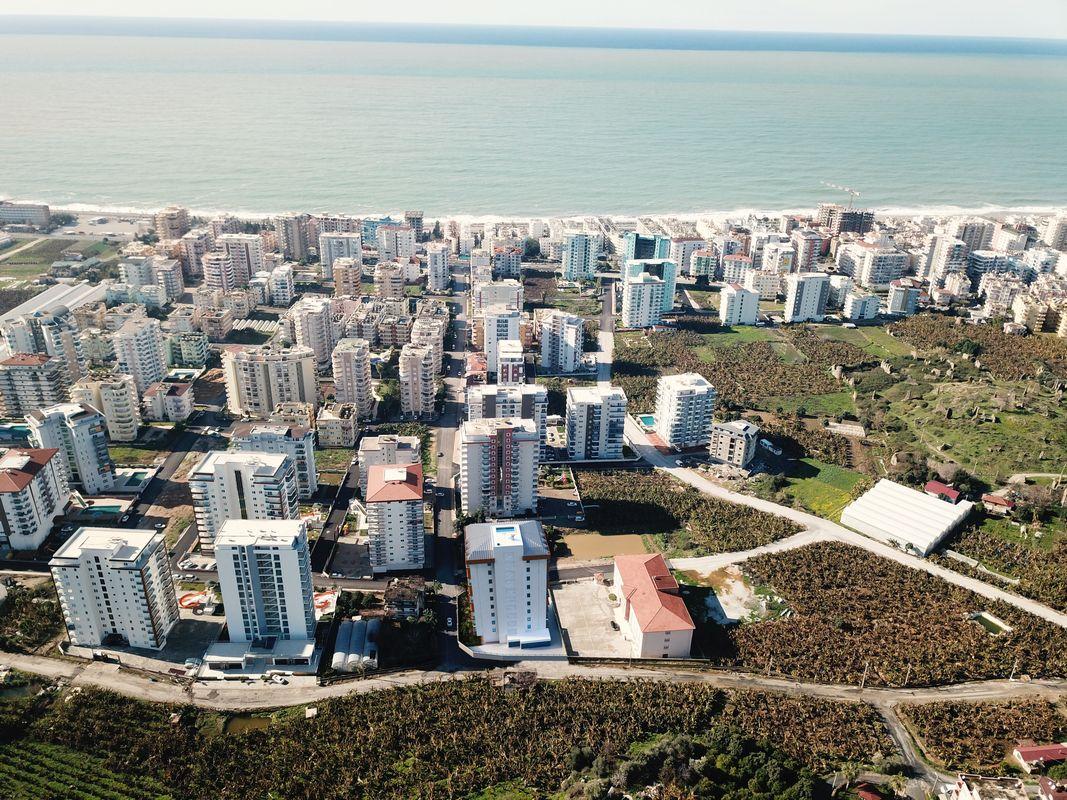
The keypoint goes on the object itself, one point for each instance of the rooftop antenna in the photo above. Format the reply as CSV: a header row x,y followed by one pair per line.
x,y
852,193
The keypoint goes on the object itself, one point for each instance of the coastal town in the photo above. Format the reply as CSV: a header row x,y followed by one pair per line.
x,y
812,462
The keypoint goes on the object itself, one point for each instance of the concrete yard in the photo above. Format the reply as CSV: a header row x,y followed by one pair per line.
x,y
585,614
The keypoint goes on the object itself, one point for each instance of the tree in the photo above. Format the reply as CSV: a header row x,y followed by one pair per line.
x,y
437,231
531,248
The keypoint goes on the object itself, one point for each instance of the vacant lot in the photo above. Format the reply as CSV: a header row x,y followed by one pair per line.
x,y
823,489
875,340
38,259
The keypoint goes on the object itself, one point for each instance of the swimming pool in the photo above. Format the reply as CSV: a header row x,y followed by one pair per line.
x,y
648,420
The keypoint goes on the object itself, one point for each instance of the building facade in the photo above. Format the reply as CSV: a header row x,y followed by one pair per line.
x,y
498,466
396,525
596,422
684,405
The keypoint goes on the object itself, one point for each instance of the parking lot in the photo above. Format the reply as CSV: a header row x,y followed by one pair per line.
x,y
585,613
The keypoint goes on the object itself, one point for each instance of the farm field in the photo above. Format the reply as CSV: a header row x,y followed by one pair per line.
x,y
680,520
33,770
37,259
855,613
524,736
873,339
823,489
826,405
979,737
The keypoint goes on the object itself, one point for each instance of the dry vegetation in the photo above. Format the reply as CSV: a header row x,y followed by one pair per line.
x,y
978,737
852,609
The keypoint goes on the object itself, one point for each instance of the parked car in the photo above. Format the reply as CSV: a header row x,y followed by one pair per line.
x,y
572,503
448,623
614,625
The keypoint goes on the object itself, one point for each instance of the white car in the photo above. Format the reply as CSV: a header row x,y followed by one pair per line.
x,y
571,503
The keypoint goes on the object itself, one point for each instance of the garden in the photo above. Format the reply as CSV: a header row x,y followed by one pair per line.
x,y
29,617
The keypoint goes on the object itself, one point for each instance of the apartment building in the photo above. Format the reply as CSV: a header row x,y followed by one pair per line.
x,y
562,342
808,246
596,422
805,296
171,223
494,401
313,325
430,332
506,293
291,440
580,252
387,449
139,351
510,363
501,323
168,401
347,277
903,297
507,571
395,242
389,280
684,405
115,585
259,378
79,432
352,375
737,305
219,272
264,570
733,442
246,251
438,274
642,301
417,380
52,333
335,425
507,262
498,466
116,397
860,306
193,246
396,525
332,246
31,380
682,250
229,485
33,493
665,269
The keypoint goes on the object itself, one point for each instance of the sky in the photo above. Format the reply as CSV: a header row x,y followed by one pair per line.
x,y
1011,18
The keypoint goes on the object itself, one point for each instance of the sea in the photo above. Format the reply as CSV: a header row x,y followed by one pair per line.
x,y
261,118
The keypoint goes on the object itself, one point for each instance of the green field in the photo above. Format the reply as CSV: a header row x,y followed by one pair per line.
x,y
815,405
707,300
34,771
1019,427
38,259
875,340
334,459
133,456
824,489
737,335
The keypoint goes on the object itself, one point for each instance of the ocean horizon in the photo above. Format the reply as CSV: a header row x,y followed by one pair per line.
x,y
243,118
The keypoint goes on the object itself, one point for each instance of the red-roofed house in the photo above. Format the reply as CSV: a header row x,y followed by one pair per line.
x,y
1048,789
942,491
1033,756
395,521
995,504
651,609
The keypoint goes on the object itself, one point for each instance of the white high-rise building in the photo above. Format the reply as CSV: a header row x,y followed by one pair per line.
x,y
507,262
682,249
659,268
501,324
333,246
295,441
510,363
805,296
139,351
389,280
395,242
193,247
562,342
946,256
396,525
265,577
737,305
684,405
291,232
596,422
860,306
1055,235
116,397
219,273
506,292
579,256
498,466
438,275
246,250
417,385
642,301
778,257
259,378
430,332
31,380
528,401
33,493
78,431
169,279
807,244
228,485
508,567
903,297
879,266
312,320
171,223
115,583
282,286
352,375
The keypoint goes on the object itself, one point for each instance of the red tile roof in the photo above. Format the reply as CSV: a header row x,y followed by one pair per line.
x,y
1048,788
1032,753
26,360
941,489
653,593
381,488
997,500
15,479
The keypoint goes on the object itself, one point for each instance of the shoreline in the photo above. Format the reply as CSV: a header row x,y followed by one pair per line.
x,y
946,210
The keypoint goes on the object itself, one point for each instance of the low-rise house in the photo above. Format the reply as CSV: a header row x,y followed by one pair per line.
x,y
942,491
651,608
405,597
1048,789
995,504
1038,757
978,787
168,401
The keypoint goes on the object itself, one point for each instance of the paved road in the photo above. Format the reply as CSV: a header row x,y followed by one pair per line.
x,y
606,336
818,529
